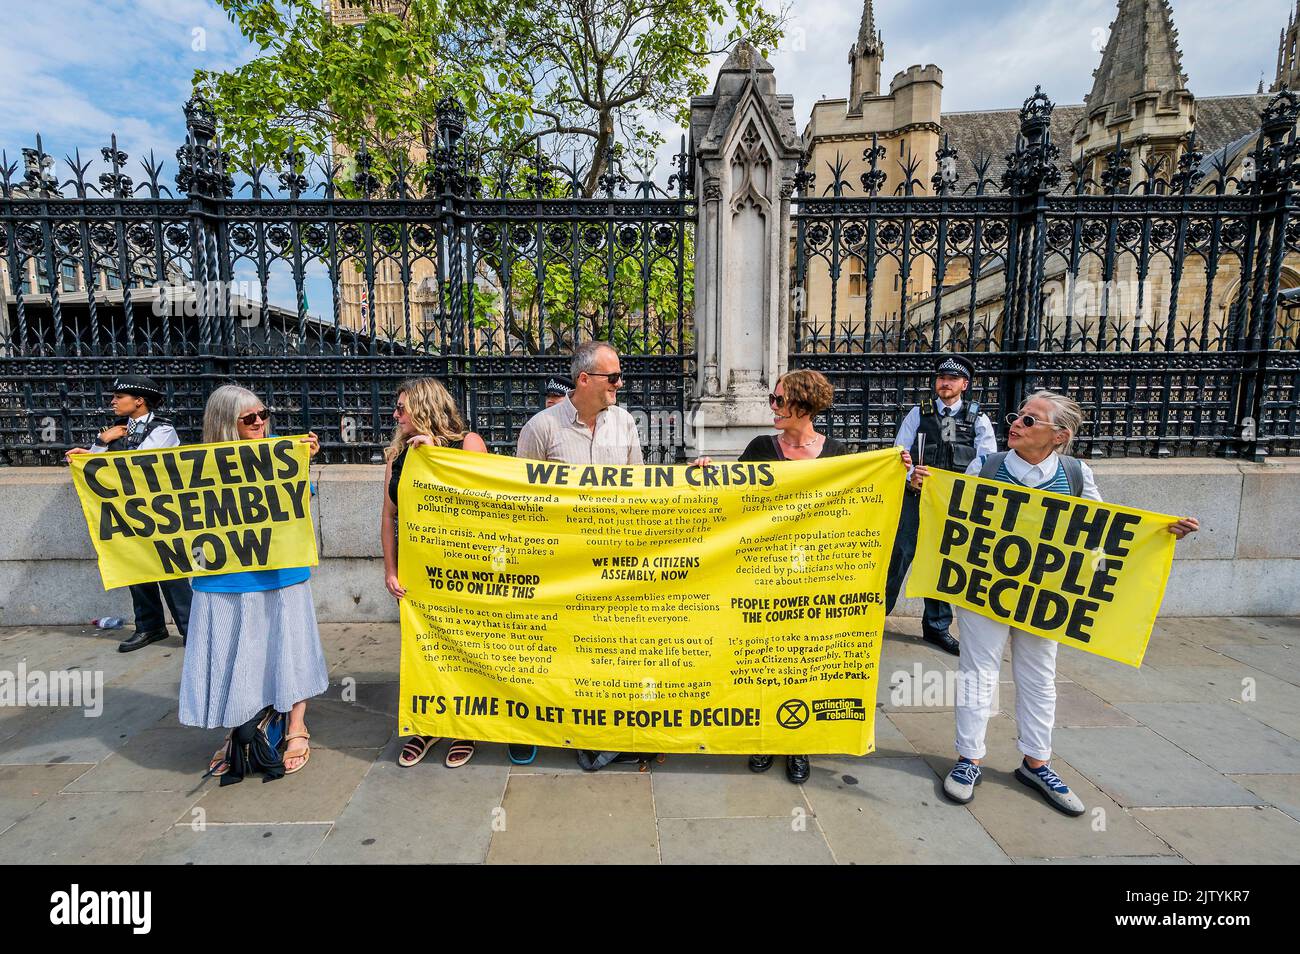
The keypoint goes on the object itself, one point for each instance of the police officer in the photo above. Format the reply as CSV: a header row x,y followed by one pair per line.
x,y
557,388
947,432
135,398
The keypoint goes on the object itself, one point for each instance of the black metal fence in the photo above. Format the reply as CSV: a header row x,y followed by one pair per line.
x,y
323,287
1156,296
1151,295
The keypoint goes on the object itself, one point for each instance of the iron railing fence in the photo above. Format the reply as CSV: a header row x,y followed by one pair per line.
x,y
322,294
1154,303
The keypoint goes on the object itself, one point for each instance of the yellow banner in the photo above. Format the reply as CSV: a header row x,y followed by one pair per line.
x,y
645,609
1089,575
197,509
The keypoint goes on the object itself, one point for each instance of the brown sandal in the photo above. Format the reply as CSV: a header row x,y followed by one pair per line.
x,y
461,751
305,754
219,765
415,749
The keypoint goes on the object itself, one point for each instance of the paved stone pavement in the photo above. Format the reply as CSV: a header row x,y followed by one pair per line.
x,y
1193,758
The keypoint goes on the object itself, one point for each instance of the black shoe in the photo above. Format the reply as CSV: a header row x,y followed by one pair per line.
x,y
796,768
139,640
760,763
945,641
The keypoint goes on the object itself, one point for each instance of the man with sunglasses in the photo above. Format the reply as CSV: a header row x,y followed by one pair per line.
x,y
135,397
946,432
584,427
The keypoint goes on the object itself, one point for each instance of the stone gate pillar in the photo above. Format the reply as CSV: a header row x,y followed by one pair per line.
x,y
746,151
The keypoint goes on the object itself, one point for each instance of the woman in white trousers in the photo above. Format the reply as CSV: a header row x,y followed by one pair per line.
x,y
1040,435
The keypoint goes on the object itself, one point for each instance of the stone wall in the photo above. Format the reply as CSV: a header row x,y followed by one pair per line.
x,y
1242,563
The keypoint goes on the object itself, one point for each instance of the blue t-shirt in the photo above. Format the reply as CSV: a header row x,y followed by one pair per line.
x,y
252,581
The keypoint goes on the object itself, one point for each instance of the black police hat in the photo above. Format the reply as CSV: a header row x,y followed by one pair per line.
x,y
140,386
956,364
559,385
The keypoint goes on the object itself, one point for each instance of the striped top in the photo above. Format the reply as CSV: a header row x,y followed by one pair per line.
x,y
1059,484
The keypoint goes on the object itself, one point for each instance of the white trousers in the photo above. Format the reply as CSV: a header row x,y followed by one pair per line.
x,y
1033,667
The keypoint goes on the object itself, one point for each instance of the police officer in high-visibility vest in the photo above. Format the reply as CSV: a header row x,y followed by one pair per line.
x,y
947,432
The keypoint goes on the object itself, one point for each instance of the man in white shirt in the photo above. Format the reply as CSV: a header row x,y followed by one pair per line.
x,y
585,427
588,426
944,432
138,428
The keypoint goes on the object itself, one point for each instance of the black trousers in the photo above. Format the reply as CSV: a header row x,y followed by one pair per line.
x,y
938,614
147,598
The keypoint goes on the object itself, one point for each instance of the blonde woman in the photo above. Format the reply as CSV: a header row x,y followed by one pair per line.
x,y
253,640
425,414
1039,439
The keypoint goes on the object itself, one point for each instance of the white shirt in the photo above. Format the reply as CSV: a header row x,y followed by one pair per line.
x,y
556,434
986,441
164,435
1035,475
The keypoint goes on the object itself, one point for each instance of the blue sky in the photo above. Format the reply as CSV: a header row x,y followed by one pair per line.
x,y
76,70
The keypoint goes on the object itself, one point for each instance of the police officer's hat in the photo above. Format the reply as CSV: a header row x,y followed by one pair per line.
x,y
558,385
955,364
140,386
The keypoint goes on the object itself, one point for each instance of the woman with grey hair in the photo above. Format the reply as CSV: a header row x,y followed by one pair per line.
x,y
253,642
1039,439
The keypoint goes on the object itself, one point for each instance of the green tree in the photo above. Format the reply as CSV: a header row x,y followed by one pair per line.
x,y
594,75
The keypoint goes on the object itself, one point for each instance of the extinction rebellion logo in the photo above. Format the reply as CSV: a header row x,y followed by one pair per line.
x,y
794,713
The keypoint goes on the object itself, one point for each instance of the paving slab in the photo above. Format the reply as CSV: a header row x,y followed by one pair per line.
x,y
1116,682
1227,836
100,828
155,760
742,841
24,788
1282,661
236,845
425,814
1136,767
1265,698
1016,817
71,736
347,725
1220,735
722,786
1280,791
577,819
317,793
896,815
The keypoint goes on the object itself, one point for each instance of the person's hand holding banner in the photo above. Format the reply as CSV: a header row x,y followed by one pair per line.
x,y
198,509
1087,574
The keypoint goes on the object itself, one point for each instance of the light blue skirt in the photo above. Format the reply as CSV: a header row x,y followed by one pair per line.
x,y
247,651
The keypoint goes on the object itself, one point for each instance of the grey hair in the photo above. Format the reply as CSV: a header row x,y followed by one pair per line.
x,y
1066,412
584,358
225,405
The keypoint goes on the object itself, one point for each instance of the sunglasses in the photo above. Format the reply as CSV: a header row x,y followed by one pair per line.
x,y
252,417
776,400
1031,421
614,376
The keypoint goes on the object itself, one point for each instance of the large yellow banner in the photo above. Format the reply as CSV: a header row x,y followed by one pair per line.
x,y
1089,575
197,509
734,609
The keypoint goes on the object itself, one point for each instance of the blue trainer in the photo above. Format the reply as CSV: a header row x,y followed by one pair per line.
x,y
961,781
1048,784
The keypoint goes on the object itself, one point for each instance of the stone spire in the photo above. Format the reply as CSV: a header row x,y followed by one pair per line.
x,y
1141,56
868,36
866,57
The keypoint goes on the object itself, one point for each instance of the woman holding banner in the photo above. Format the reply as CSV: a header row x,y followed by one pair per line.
x,y
253,641
425,414
797,399
1039,438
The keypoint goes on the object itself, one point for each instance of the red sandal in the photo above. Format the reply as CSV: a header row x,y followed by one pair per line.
x,y
461,751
